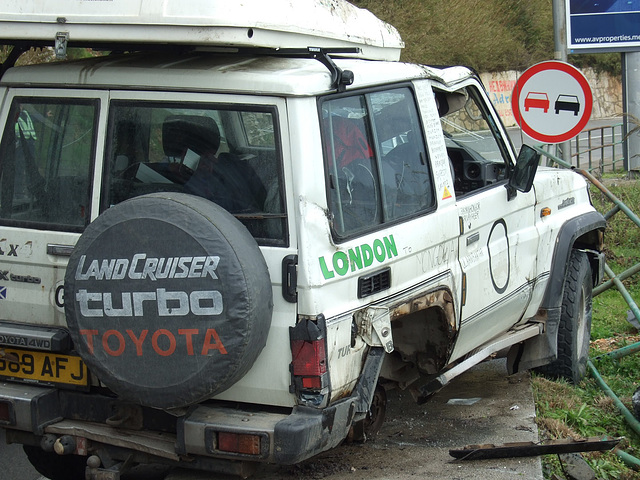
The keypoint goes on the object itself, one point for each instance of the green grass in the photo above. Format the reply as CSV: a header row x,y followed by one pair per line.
x,y
565,410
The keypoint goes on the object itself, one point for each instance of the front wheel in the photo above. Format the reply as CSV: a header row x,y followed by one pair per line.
x,y
574,331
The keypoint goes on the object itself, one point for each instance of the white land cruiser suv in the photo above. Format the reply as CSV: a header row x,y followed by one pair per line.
x,y
214,256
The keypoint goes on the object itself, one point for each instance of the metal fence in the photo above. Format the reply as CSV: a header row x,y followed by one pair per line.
x,y
596,150
614,280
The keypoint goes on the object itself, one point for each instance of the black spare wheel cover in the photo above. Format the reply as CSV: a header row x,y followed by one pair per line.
x,y
168,299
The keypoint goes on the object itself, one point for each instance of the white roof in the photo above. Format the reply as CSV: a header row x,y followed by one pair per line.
x,y
242,23
210,72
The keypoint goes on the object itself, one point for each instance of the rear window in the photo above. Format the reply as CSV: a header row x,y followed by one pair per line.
x,y
227,154
46,163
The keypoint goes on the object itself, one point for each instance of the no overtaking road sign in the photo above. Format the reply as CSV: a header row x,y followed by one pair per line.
x,y
552,102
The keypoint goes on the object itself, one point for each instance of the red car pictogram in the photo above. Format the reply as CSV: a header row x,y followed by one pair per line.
x,y
536,100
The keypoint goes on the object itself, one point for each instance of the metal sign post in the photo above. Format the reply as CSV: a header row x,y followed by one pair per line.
x,y
560,46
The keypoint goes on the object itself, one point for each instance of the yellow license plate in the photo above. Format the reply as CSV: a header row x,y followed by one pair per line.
x,y
43,367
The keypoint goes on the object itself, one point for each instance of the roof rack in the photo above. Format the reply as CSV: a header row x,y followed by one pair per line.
x,y
340,79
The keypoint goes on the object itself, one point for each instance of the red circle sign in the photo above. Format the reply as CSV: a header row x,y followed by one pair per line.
x,y
552,102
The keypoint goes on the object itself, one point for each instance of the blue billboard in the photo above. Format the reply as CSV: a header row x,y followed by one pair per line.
x,y
597,25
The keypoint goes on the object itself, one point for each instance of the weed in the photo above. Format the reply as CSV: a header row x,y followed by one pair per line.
x,y
570,411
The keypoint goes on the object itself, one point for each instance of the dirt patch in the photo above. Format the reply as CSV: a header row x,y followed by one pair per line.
x,y
614,343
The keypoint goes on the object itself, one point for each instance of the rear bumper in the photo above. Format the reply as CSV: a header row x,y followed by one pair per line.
x,y
285,438
28,408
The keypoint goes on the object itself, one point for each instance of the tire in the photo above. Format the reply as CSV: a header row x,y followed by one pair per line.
x,y
169,299
574,330
369,427
56,467
377,412
635,401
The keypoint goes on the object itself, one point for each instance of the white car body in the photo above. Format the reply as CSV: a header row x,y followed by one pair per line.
x,y
464,269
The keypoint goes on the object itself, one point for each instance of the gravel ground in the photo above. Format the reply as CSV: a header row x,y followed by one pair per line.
x,y
415,439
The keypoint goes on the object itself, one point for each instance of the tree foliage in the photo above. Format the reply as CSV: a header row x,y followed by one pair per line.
x,y
487,35
41,55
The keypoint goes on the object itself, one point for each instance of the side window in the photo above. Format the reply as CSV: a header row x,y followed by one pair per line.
x,y
227,155
353,178
376,163
46,163
477,154
407,187
258,129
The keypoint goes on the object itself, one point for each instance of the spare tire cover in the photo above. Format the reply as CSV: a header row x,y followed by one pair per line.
x,y
169,299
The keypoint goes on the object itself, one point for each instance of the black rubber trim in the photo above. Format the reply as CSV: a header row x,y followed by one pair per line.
x,y
366,386
309,431
569,232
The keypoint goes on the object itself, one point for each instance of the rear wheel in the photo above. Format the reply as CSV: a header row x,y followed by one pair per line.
x,y
574,330
367,428
377,412
635,401
54,466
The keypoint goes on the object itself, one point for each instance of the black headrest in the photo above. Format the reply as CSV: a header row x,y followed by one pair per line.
x,y
194,132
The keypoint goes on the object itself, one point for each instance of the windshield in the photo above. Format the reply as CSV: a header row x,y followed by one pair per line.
x,y
475,147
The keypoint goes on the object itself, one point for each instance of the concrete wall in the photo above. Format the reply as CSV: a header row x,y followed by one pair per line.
x,y
607,93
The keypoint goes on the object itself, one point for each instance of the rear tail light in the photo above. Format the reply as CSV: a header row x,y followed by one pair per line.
x,y
245,444
310,375
312,383
309,358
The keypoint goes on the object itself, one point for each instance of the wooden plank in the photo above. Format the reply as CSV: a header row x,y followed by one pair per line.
x,y
530,449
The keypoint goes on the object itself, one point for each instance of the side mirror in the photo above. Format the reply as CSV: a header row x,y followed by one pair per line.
x,y
522,175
